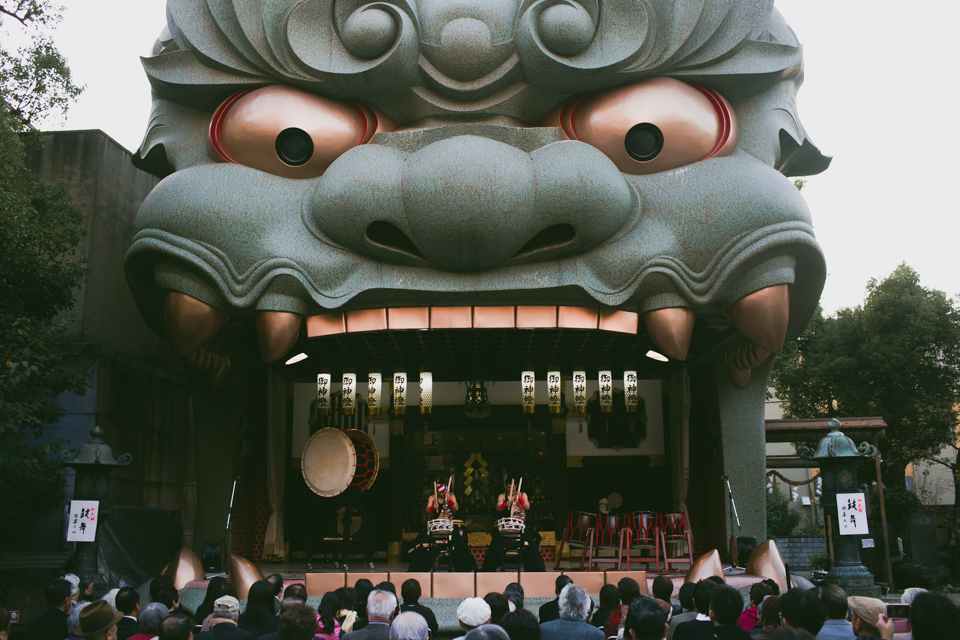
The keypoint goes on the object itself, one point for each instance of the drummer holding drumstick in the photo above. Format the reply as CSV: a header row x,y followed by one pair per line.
x,y
515,500
516,503
448,503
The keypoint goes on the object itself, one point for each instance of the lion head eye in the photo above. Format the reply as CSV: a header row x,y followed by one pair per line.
x,y
288,132
651,126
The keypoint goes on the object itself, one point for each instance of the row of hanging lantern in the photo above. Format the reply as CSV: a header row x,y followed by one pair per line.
x,y
528,380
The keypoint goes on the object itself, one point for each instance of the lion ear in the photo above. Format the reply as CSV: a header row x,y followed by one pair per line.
x,y
800,159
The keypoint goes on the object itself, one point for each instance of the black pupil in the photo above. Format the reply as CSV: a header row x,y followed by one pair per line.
x,y
644,142
294,146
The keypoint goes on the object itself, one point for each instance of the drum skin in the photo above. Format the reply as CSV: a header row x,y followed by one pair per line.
x,y
335,459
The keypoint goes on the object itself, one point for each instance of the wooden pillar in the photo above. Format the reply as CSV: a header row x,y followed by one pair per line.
x,y
559,447
883,514
396,474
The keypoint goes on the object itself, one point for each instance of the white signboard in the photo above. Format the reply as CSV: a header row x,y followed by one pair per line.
x,y
852,514
82,526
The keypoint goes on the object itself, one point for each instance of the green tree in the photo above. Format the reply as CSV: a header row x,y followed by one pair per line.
x,y
896,356
39,232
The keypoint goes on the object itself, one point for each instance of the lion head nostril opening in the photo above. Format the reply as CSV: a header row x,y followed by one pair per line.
x,y
644,142
550,238
390,236
294,146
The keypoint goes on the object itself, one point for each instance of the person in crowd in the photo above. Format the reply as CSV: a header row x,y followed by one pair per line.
x,y
499,606
260,616
216,588
770,614
609,600
521,625
685,595
73,620
286,605
206,623
170,597
362,589
128,603
387,586
158,584
836,626
4,624
800,608
663,589
667,609
409,626
381,607
726,605
791,633
52,623
347,615
110,597
150,618
297,622
297,590
693,629
487,632
98,622
514,593
646,620
223,625
865,615
628,590
934,617
551,610
716,579
772,585
176,626
472,613
328,623
276,581
750,617
575,609
411,592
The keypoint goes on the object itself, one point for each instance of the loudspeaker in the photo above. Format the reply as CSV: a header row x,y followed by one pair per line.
x,y
740,549
212,555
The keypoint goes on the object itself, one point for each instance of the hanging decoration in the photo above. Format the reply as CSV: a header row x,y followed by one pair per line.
x,y
374,381
580,391
400,392
630,395
528,381
554,386
426,392
349,402
477,403
605,378
323,394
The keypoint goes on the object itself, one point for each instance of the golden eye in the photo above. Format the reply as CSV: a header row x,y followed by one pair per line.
x,y
651,126
288,132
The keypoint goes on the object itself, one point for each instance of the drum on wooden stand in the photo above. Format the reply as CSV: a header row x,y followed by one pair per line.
x,y
440,528
512,527
334,460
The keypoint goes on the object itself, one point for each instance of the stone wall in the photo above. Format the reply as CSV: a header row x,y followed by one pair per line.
x,y
797,550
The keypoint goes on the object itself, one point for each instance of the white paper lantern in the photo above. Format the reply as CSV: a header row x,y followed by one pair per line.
x,y
323,394
426,392
580,391
605,378
630,395
554,391
400,392
349,401
528,389
373,392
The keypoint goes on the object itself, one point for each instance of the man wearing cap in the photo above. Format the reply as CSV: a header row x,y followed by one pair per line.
x,y
472,613
98,621
226,610
866,614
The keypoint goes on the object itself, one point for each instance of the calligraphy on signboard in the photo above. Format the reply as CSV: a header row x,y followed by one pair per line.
x,y
82,526
852,516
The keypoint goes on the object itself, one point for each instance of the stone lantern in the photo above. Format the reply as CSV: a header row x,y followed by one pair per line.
x,y
93,462
837,457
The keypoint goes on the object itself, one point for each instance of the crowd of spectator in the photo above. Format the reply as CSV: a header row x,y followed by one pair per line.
x,y
707,610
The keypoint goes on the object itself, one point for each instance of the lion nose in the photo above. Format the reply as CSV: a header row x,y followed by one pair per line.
x,y
470,203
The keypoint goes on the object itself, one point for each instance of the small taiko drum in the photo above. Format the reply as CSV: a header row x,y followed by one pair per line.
x,y
578,523
674,525
608,529
334,460
440,528
643,527
510,526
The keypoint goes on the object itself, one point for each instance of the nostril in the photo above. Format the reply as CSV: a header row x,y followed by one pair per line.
x,y
390,236
550,238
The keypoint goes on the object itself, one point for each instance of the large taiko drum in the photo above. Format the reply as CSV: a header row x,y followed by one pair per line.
x,y
334,460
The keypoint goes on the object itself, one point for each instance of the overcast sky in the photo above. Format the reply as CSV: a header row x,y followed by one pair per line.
x,y
878,97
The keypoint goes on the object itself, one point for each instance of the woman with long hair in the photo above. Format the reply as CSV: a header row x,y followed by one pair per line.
x,y
215,589
260,617
347,615
328,610
362,589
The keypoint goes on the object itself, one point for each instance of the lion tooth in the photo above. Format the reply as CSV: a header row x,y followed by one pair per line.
x,y
762,316
277,331
671,330
189,323
755,355
740,378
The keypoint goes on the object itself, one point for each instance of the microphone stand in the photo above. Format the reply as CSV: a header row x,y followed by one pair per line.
x,y
736,516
